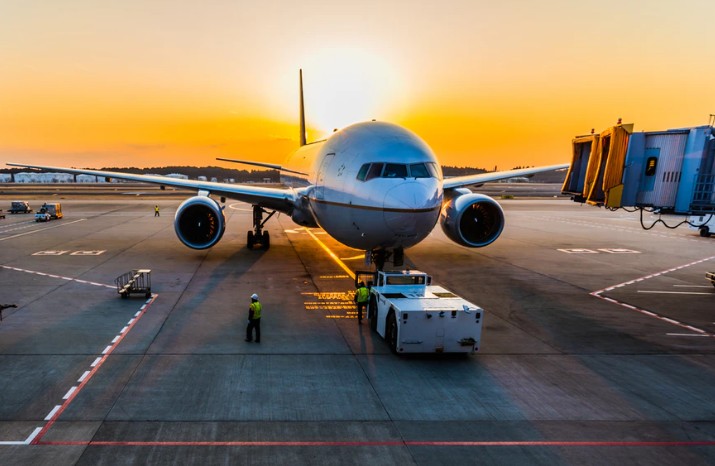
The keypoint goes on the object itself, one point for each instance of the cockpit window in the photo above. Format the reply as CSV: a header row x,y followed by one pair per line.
x,y
435,170
419,170
363,172
395,170
375,171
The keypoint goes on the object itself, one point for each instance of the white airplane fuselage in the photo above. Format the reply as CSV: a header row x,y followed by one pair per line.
x,y
374,185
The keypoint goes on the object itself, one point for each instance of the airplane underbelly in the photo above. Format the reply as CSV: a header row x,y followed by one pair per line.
x,y
369,228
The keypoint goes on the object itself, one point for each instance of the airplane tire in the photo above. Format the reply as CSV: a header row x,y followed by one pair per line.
x,y
249,240
372,313
266,242
391,332
705,232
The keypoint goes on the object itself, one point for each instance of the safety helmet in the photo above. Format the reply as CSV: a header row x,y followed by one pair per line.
x,y
254,296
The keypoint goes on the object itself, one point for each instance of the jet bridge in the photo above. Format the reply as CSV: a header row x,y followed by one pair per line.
x,y
670,172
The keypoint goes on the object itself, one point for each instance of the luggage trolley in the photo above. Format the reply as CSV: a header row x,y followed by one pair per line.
x,y
136,281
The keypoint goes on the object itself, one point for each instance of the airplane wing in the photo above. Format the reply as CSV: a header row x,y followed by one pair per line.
x,y
468,180
280,199
261,164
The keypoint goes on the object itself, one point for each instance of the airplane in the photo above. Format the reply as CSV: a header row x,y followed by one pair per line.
x,y
373,186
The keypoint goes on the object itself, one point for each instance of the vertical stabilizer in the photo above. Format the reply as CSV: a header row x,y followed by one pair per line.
x,y
302,112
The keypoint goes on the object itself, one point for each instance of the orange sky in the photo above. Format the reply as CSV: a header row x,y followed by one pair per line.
x,y
147,83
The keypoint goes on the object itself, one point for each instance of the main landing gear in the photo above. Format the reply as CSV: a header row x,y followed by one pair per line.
x,y
258,236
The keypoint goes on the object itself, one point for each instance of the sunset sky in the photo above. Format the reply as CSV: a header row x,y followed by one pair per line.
x,y
92,83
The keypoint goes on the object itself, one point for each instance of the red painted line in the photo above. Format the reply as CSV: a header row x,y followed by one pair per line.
x,y
411,443
99,362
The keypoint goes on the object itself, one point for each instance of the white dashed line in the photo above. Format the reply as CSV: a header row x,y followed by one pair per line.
x,y
52,413
69,393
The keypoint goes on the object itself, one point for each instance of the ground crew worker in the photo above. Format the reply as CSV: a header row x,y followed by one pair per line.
x,y
156,211
361,296
254,319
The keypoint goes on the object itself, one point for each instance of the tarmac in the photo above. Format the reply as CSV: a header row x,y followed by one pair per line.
x,y
598,345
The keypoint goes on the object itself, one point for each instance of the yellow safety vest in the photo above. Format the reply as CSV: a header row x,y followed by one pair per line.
x,y
256,308
362,294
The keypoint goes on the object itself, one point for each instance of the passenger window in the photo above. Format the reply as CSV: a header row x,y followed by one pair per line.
x,y
363,172
375,171
395,170
419,170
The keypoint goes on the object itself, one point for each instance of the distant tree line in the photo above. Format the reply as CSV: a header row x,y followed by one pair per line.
x,y
221,174
257,176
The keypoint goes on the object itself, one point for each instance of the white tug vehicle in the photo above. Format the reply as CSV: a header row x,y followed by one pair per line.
x,y
415,316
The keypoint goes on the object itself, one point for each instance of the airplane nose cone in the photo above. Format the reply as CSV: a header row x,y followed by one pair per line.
x,y
411,208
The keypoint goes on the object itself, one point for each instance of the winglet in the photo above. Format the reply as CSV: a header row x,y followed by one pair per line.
x,y
302,112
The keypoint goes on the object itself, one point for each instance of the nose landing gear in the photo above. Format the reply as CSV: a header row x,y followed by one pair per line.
x,y
380,256
258,236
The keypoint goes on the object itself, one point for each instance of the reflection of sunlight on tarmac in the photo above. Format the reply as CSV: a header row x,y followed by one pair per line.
x,y
353,258
243,209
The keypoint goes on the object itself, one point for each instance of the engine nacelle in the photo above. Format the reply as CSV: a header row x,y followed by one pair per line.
x,y
472,220
199,222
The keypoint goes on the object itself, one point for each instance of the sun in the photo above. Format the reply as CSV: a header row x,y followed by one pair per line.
x,y
347,85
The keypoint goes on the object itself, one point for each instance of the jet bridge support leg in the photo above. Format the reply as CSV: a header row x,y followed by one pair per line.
x,y
258,236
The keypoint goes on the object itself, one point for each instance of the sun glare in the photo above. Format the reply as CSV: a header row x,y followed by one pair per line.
x,y
345,86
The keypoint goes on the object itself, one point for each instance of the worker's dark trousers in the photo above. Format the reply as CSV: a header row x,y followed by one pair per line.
x,y
360,307
253,323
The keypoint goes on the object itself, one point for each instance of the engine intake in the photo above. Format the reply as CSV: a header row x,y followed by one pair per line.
x,y
472,220
199,222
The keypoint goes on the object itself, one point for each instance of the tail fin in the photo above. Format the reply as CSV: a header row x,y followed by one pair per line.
x,y
302,112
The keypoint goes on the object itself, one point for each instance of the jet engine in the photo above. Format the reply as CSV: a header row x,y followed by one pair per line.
x,y
472,220
199,222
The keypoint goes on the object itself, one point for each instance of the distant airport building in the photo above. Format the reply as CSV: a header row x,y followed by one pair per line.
x,y
88,179
178,176
24,177
5,177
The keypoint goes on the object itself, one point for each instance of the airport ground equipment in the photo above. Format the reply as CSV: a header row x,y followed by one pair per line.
x,y
136,281
54,209
2,215
42,216
415,316
710,276
704,224
20,207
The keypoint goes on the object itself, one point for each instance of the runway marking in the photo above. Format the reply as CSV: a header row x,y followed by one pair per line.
x,y
673,292
332,254
34,272
394,443
36,437
69,393
619,251
625,229
63,224
599,294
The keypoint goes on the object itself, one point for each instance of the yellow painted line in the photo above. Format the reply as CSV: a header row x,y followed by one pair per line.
x,y
332,254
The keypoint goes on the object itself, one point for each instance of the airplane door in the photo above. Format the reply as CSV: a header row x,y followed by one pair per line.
x,y
324,166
